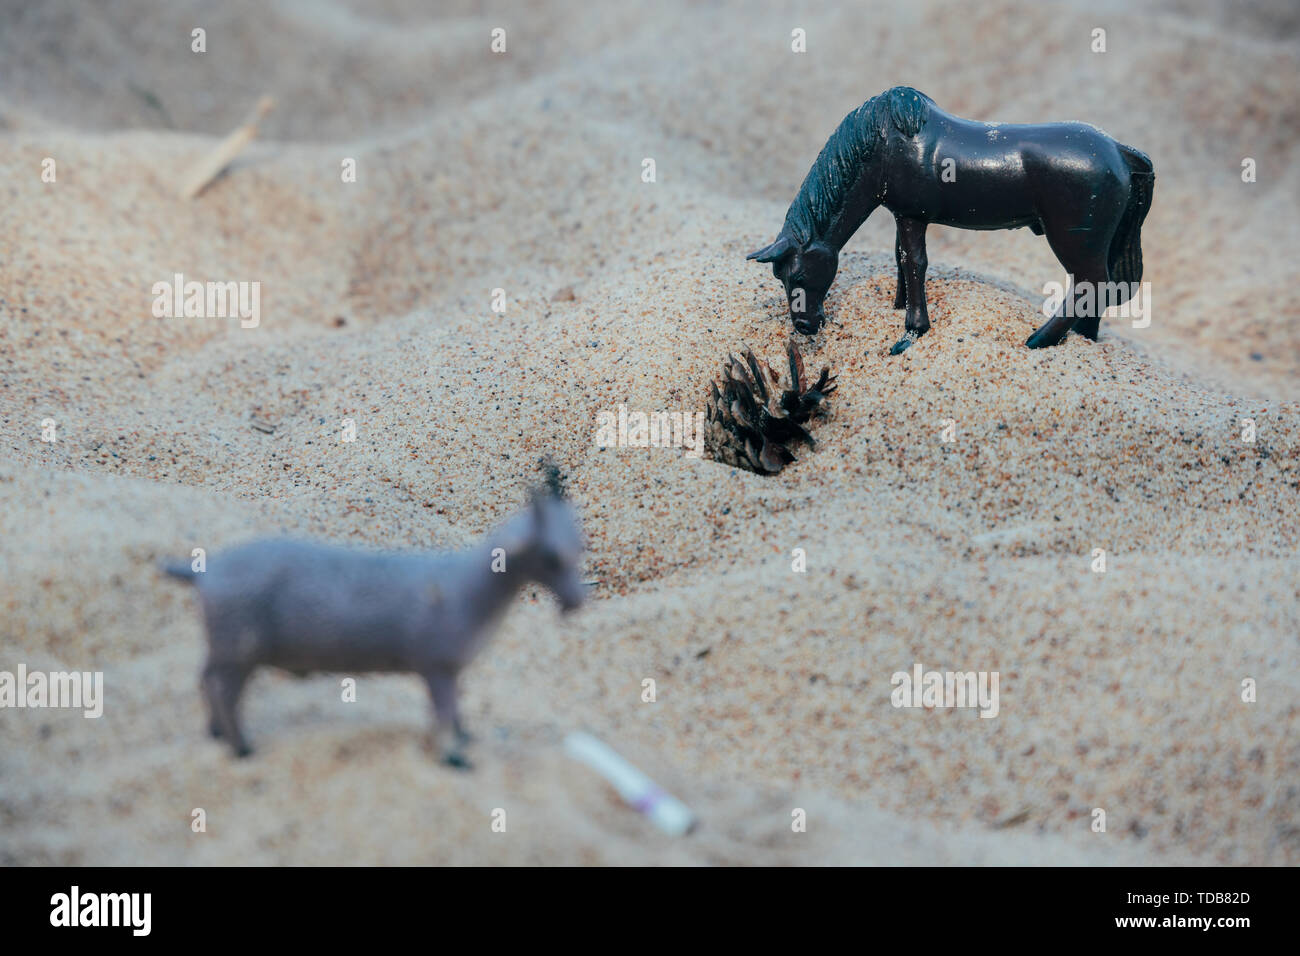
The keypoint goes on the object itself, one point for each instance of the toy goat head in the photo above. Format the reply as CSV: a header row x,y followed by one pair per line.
x,y
546,544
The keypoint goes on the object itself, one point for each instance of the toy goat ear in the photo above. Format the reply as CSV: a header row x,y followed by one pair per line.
x,y
773,252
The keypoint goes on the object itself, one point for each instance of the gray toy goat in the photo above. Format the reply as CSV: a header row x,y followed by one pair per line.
x,y
305,607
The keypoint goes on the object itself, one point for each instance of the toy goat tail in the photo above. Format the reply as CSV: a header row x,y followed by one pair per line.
x,y
1125,261
177,569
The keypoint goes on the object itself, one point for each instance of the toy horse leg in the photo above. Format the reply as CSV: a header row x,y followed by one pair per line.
x,y
900,297
1089,325
911,239
1086,265
1052,331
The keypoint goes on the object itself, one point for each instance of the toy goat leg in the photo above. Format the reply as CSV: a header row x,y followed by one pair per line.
x,y
306,607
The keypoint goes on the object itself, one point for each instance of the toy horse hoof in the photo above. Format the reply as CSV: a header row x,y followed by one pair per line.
x,y
903,344
1040,341
243,752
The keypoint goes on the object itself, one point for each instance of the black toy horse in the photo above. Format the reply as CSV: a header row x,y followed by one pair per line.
x,y
1071,182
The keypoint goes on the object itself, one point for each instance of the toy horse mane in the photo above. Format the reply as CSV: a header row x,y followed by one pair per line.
x,y
839,165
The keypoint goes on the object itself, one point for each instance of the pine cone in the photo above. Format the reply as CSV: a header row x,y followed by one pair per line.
x,y
753,426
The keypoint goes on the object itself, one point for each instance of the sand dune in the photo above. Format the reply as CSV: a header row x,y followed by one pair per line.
x,y
521,172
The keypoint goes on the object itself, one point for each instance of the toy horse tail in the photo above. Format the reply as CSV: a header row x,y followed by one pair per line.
x,y
1125,261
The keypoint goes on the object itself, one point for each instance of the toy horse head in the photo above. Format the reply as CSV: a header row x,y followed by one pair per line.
x,y
807,271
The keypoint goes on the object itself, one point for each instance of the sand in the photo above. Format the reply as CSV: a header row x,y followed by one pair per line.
x,y
1119,690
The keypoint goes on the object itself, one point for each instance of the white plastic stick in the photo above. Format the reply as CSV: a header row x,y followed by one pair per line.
x,y
639,791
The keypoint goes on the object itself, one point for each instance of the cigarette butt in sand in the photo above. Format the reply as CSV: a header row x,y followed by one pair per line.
x,y
197,179
639,791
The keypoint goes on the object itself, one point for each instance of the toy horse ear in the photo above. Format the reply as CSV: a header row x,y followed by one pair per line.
x,y
773,252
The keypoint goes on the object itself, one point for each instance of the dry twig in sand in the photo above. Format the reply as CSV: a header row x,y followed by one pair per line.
x,y
212,165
